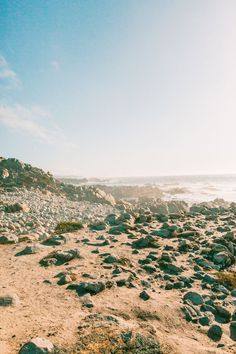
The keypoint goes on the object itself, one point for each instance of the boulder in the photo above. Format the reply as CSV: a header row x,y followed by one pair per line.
x,y
91,288
6,239
215,333
59,257
222,314
146,242
194,297
37,346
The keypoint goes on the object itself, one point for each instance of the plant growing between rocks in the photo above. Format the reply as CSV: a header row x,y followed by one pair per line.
x,y
68,226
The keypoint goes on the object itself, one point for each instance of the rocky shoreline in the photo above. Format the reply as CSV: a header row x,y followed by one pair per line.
x,y
79,276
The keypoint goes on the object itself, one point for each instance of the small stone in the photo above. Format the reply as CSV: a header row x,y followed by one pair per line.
x,y
9,300
232,328
144,295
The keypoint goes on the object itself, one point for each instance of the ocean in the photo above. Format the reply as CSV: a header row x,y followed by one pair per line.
x,y
189,188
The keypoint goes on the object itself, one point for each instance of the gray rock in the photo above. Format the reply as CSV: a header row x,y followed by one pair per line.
x,y
144,295
9,300
65,279
222,314
194,297
7,239
215,333
37,346
31,250
146,242
59,257
91,288
232,328
55,240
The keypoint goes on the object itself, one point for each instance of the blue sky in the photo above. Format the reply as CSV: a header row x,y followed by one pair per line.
x,y
119,88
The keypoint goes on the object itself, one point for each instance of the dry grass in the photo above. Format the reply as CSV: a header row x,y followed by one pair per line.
x,y
106,341
68,226
145,315
228,278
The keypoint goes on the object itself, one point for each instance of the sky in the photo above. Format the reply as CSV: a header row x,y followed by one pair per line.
x,y
119,87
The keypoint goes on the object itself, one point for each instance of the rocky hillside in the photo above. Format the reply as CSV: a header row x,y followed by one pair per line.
x,y
16,174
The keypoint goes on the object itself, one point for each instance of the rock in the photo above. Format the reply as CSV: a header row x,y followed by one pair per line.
x,y
233,293
207,319
232,328
111,259
86,301
170,268
177,207
99,226
222,314
111,219
146,242
224,259
17,207
30,250
9,300
144,295
59,257
55,240
194,297
164,233
37,346
92,288
6,239
215,333
65,279
190,313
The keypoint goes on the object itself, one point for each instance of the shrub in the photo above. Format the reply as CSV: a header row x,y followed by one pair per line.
x,y
101,341
228,278
68,226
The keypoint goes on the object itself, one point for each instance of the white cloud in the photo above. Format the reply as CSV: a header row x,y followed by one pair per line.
x,y
31,121
8,78
55,65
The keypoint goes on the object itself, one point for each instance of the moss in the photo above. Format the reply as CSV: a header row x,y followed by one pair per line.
x,y
68,226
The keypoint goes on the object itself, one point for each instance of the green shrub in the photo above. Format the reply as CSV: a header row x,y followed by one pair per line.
x,y
68,226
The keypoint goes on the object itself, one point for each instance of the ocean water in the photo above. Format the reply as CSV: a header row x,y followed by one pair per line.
x,y
194,188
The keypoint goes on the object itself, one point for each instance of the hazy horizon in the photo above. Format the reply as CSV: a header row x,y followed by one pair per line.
x,y
127,88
